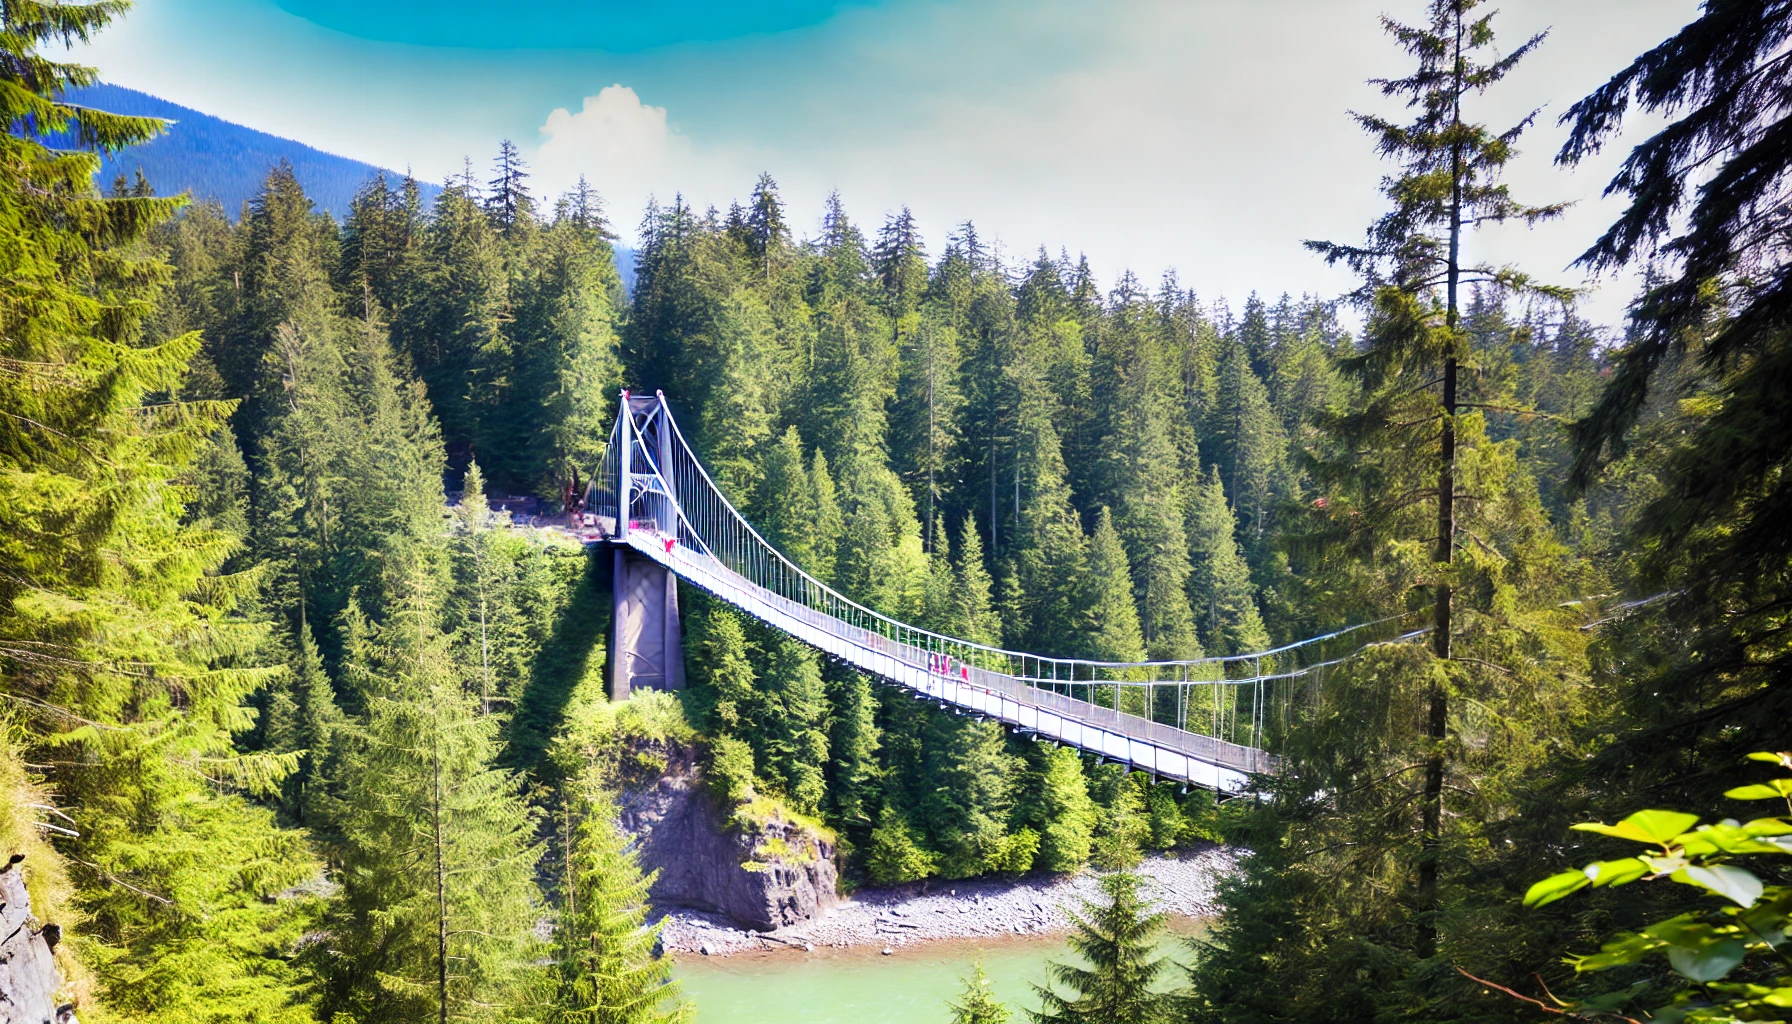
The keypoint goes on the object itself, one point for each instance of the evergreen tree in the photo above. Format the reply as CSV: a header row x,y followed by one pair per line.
x,y
507,198
1151,523
768,236
1220,582
853,742
1249,447
566,368
610,970
303,720
436,855
1117,937
454,333
481,572
1059,807
784,508
1391,820
791,742
973,616
726,683
977,1004
1412,252
1707,355
1112,619
126,656
830,522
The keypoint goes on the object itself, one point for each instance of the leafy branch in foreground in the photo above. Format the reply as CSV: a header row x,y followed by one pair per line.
x,y
1730,963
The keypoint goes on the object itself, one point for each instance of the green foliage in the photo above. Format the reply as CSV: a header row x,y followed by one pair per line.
x,y
892,856
436,850
608,967
1060,808
1727,962
1117,938
1113,618
730,769
977,1004
127,663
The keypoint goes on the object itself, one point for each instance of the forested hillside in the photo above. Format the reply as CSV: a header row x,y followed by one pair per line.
x,y
298,728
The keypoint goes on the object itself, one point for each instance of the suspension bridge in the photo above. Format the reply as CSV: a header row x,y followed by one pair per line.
x,y
1209,722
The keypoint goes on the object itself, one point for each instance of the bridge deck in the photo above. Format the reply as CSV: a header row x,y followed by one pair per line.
x,y
1149,746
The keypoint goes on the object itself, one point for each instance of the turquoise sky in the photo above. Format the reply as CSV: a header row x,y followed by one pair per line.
x,y
614,26
1210,136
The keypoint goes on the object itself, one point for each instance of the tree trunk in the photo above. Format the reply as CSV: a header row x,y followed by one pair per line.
x,y
441,881
1438,713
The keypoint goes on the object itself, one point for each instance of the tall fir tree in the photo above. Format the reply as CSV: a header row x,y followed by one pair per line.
x,y
1397,781
609,964
1117,937
436,851
1111,617
127,656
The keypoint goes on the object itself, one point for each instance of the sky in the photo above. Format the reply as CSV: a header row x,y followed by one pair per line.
x,y
1205,136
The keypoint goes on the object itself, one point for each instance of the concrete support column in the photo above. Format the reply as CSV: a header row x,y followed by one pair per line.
x,y
646,640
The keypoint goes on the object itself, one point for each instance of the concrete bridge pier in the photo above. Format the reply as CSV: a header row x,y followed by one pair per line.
x,y
646,641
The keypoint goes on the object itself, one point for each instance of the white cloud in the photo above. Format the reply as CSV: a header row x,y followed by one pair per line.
x,y
630,150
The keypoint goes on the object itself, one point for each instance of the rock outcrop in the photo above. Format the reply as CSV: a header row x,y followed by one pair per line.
x,y
29,978
764,873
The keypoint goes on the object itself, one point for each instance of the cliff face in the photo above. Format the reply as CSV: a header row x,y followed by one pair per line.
x,y
764,874
29,978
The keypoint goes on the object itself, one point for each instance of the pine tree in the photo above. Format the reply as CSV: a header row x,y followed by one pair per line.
x,y
768,236
977,1004
1413,252
1708,349
1220,583
1048,550
973,617
1117,937
725,679
789,736
128,660
481,572
853,742
784,509
1112,630
830,522
1151,523
281,277
567,367
437,848
455,332
610,970
303,720
1058,806
508,200
1248,445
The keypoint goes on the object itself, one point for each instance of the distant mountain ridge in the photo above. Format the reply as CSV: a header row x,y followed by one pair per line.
x,y
217,159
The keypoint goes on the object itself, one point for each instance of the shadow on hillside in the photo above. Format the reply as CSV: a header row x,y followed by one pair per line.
x,y
577,647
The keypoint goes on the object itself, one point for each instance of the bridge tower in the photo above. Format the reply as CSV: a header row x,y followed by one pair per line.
x,y
646,638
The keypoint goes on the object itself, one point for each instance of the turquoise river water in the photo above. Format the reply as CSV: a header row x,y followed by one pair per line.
x,y
861,986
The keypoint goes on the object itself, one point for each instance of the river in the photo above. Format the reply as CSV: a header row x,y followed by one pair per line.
x,y
861,986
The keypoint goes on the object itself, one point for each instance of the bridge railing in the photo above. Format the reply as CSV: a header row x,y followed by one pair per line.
x,y
1243,699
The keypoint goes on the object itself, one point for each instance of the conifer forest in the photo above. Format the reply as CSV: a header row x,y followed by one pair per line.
x,y
306,699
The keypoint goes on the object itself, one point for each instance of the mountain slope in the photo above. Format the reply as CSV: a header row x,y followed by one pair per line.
x,y
215,159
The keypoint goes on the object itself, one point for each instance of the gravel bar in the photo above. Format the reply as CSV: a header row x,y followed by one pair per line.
x,y
903,915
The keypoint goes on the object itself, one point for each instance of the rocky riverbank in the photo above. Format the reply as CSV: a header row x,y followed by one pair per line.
x,y
904,915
